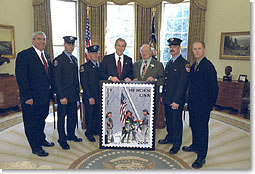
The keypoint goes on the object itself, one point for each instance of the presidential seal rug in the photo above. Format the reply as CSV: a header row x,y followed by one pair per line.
x,y
128,159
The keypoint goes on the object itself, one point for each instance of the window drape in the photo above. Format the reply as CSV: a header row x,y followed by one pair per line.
x,y
97,18
143,3
42,22
97,21
144,26
196,25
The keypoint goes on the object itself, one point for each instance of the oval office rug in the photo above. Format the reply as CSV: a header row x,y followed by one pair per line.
x,y
128,159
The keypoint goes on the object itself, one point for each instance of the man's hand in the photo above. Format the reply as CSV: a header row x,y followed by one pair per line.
x,y
91,101
63,101
114,79
150,79
135,79
127,79
29,102
174,106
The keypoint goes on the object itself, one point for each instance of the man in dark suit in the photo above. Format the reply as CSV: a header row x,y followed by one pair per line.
x,y
89,78
33,73
67,89
117,66
174,94
203,92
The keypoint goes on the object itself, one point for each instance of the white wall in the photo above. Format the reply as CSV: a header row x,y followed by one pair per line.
x,y
226,16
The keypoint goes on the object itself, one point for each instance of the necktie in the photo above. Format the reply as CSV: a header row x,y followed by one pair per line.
x,y
44,63
196,65
73,59
171,61
144,68
119,67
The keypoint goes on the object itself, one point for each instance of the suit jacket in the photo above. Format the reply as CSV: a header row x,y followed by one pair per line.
x,y
176,82
108,68
89,78
32,79
155,70
66,78
203,86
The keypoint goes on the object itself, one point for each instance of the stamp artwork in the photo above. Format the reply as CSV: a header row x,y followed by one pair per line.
x,y
127,115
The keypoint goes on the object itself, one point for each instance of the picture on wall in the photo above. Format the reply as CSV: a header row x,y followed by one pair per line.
x,y
235,45
128,115
7,43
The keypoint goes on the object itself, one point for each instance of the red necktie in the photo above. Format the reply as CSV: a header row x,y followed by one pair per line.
x,y
44,63
119,67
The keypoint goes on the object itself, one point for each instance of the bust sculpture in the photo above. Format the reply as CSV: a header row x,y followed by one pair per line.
x,y
228,77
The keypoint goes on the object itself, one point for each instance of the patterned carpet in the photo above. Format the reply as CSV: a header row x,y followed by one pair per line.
x,y
128,159
229,148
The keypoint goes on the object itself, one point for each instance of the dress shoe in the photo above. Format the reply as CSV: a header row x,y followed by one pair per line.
x,y
198,163
75,139
189,149
47,144
165,141
90,137
40,152
174,150
64,146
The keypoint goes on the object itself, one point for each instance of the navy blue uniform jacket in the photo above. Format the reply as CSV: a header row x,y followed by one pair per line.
x,y
89,75
66,78
176,82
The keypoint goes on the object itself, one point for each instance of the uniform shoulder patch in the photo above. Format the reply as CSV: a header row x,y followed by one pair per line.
x,y
55,63
82,68
187,67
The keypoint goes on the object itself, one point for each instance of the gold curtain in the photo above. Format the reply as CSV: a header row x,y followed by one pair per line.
x,y
97,21
196,25
144,26
143,3
42,22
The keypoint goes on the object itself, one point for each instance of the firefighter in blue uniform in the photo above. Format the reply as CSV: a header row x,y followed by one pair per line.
x,y
67,91
89,77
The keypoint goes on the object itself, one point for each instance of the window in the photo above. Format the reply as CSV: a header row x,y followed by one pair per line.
x,y
64,23
175,23
120,23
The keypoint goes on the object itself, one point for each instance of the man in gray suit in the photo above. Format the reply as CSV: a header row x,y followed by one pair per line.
x,y
148,69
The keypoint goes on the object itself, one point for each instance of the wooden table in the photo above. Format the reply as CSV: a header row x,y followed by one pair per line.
x,y
231,94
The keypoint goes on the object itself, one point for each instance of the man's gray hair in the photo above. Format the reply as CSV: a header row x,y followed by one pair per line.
x,y
143,46
38,33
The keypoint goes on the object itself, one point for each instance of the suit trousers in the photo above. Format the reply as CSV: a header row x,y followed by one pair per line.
x,y
92,119
174,125
34,122
199,126
69,110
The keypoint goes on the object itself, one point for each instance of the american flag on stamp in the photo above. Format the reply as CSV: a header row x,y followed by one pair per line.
x,y
123,104
87,40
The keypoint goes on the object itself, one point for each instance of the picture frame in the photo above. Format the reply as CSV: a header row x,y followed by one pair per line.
x,y
122,129
242,78
235,45
7,41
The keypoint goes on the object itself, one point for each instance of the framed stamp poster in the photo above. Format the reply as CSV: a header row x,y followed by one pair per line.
x,y
128,115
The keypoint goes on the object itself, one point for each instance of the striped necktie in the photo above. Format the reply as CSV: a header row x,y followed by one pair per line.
x,y
144,68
